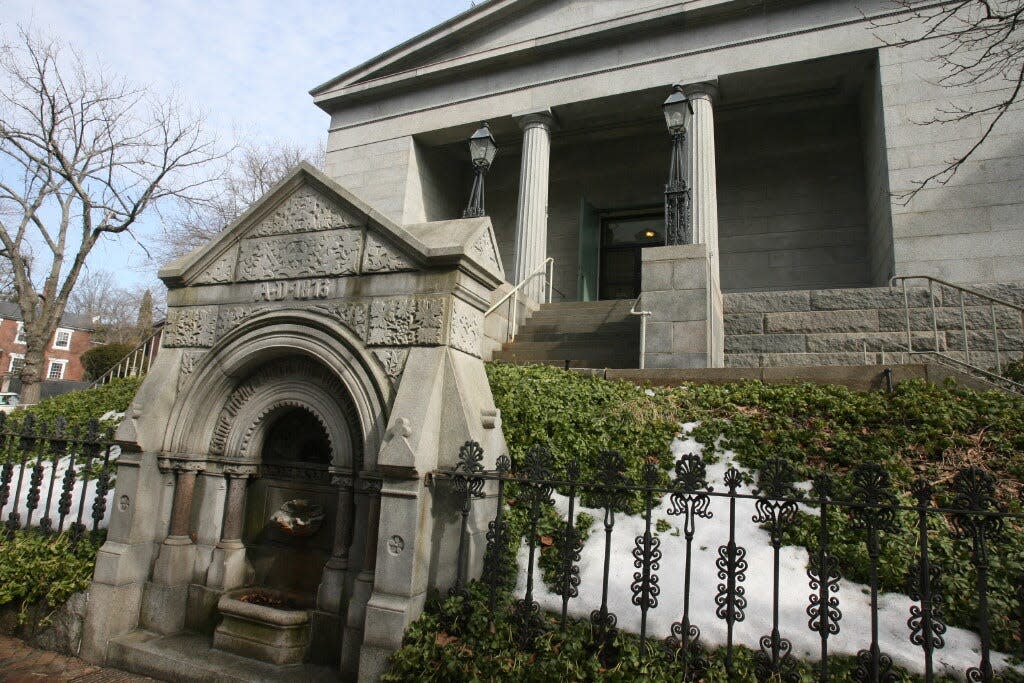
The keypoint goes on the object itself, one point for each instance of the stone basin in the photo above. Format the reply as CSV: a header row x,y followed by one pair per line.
x,y
274,634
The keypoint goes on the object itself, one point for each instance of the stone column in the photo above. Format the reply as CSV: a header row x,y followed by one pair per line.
x,y
369,486
704,206
227,570
164,599
174,564
532,209
330,596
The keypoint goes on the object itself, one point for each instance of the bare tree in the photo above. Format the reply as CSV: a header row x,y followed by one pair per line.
x,y
82,155
250,171
112,308
974,43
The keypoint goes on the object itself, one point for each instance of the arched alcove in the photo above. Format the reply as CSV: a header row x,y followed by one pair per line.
x,y
295,453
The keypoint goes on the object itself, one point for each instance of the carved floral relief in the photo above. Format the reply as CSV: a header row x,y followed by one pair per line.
x,y
407,321
382,258
192,326
304,255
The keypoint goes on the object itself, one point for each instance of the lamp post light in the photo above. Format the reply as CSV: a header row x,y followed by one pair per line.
x,y
678,110
482,149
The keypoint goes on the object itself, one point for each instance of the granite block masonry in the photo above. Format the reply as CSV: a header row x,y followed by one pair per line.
x,y
680,289
317,357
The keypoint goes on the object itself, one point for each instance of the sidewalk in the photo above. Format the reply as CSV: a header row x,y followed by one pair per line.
x,y
20,663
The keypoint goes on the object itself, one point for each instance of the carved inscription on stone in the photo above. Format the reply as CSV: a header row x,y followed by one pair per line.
x,y
305,255
221,272
392,360
351,314
296,290
193,326
407,321
466,328
382,258
305,211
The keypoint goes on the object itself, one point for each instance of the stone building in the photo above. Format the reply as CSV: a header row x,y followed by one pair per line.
x,y
275,516
805,126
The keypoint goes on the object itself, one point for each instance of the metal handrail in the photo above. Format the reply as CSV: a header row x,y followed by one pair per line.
x,y
937,351
136,362
548,270
643,327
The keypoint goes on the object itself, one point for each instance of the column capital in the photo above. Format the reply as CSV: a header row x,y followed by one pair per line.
x,y
533,118
702,90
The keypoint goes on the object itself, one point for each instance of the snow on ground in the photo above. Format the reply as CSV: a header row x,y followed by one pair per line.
x,y
960,652
44,492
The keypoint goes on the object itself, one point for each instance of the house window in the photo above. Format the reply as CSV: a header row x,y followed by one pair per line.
x,y
17,363
56,370
62,340
20,337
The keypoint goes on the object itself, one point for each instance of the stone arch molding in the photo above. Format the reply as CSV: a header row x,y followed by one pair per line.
x,y
294,382
276,360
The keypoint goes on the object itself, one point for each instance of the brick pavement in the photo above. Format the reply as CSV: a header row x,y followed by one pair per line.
x,y
20,663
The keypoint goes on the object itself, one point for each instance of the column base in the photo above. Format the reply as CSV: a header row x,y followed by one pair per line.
x,y
228,567
164,608
352,640
175,561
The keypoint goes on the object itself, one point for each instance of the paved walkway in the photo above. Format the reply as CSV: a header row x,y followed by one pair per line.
x,y
20,663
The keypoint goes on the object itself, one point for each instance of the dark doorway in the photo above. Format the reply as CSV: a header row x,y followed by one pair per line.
x,y
623,235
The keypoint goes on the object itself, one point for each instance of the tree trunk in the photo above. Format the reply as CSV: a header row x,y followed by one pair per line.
x,y
33,373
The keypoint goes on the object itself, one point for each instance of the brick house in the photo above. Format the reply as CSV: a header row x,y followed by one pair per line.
x,y
63,354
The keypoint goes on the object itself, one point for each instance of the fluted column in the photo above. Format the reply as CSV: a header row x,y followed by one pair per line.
x,y
532,209
704,206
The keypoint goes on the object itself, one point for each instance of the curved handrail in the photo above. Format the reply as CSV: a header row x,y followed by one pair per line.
x,y
643,327
547,268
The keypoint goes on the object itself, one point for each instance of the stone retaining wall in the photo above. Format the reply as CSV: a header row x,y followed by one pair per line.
x,y
867,326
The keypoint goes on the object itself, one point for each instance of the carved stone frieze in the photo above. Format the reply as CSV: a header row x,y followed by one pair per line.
x,y
392,360
351,314
315,254
192,326
304,211
407,321
189,360
380,257
466,328
484,251
222,271
230,317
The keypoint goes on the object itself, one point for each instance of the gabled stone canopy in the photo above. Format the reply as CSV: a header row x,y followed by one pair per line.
x,y
308,226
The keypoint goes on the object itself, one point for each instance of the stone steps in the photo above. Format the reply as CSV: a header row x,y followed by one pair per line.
x,y
596,334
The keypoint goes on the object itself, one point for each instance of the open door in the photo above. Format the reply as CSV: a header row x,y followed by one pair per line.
x,y
589,251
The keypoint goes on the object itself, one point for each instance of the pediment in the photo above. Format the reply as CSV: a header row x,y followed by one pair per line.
x,y
309,227
305,227
497,28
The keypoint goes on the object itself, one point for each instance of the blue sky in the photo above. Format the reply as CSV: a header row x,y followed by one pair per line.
x,y
249,65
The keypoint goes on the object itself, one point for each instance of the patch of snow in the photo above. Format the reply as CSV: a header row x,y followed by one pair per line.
x,y
54,497
961,651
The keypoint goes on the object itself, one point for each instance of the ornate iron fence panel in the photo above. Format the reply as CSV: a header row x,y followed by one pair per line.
x,y
55,479
972,516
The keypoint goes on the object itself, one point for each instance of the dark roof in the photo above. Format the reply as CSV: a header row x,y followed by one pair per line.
x,y
10,310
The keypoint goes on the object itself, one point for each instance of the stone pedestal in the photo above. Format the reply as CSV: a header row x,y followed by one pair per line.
x,y
532,209
681,290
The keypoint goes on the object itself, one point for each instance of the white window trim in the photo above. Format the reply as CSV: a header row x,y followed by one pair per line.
x,y
21,330
14,357
57,334
63,368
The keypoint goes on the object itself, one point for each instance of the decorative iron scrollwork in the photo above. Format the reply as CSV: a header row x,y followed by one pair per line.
x,y
730,600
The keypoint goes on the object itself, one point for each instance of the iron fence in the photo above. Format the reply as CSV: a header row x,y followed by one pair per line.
x,y
969,508
53,478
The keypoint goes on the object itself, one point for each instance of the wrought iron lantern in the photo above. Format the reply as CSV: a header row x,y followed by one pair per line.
x,y
678,111
482,150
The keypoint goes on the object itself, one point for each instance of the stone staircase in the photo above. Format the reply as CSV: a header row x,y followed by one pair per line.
x,y
867,326
582,334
